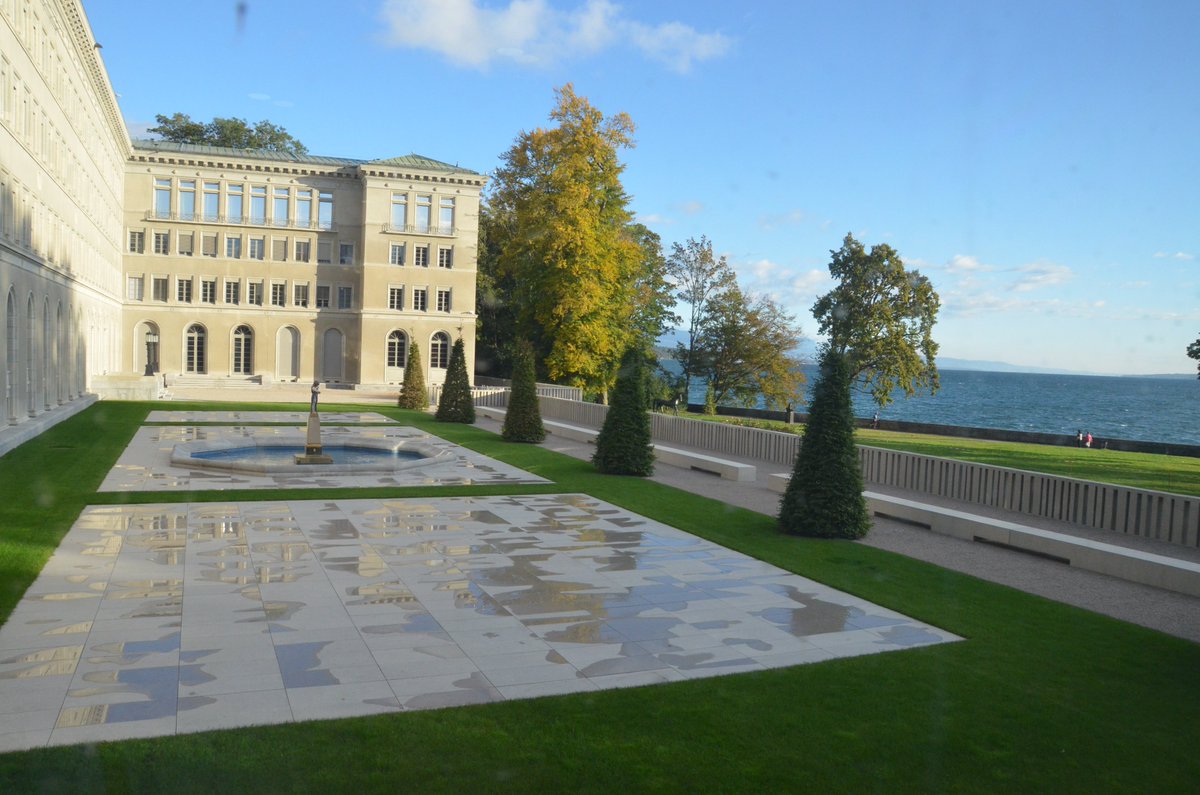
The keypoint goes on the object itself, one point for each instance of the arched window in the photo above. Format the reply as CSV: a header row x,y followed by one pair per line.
x,y
439,350
195,350
397,349
243,347
10,356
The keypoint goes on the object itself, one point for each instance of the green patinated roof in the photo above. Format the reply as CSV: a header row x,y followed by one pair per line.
x,y
407,161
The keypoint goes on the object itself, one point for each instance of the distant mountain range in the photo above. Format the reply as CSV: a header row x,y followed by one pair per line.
x,y
807,350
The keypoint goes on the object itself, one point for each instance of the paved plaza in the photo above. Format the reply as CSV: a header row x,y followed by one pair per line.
x,y
171,618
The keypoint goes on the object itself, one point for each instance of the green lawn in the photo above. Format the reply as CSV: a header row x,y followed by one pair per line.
x,y
1177,474
1041,697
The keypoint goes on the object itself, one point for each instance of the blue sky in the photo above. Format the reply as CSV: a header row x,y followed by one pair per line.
x,y
1038,161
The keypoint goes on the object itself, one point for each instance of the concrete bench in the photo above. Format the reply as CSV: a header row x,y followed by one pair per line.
x,y
779,481
491,412
729,470
1127,564
576,432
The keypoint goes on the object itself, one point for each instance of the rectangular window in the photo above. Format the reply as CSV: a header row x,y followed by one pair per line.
x,y
322,296
233,203
137,241
134,288
399,211
421,256
325,210
304,208
424,212
162,242
300,294
279,212
232,291
187,199
258,204
233,246
183,291
158,286
345,298
184,242
443,300
445,257
279,249
303,250
257,246
254,293
397,257
346,253
324,252
396,298
208,291
208,244
420,299
162,198
446,215
212,201
278,294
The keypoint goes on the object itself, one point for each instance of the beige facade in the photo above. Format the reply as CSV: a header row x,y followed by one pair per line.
x,y
123,260
280,268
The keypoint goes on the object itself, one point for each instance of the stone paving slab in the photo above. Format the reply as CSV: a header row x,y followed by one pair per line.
x,y
145,464
162,619
295,417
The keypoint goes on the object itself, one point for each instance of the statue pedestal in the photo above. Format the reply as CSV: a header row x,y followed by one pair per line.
x,y
312,443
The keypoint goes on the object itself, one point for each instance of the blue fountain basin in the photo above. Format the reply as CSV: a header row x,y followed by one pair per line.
x,y
278,456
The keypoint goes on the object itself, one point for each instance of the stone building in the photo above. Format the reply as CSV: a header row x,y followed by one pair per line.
x,y
123,262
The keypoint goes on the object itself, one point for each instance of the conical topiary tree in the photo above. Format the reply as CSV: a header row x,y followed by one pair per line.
x,y
413,394
623,446
456,404
824,497
710,400
523,420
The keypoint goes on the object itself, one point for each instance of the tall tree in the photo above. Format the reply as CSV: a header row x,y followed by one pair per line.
x,y
413,394
456,403
561,230
744,349
232,132
494,291
824,497
623,446
653,303
697,276
881,317
1193,352
523,419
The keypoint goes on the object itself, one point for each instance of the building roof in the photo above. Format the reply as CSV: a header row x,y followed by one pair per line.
x,y
407,161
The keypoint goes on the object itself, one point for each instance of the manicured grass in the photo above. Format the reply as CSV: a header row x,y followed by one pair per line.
x,y
1177,474
1041,697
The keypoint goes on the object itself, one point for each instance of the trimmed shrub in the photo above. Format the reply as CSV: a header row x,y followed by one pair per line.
x,y
523,419
710,401
623,446
413,394
456,404
824,497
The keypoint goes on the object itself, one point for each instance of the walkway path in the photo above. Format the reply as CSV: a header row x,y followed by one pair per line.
x,y
1173,613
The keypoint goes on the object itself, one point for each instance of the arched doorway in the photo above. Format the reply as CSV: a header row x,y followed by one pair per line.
x,y
397,356
195,350
331,355
243,350
287,354
146,349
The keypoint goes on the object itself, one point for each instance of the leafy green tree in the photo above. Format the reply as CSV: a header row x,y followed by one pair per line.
x,y
653,301
623,446
697,276
523,419
744,349
494,304
456,403
232,132
1193,352
881,317
710,400
560,225
824,497
413,394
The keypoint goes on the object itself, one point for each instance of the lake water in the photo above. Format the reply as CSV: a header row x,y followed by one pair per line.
x,y
1117,407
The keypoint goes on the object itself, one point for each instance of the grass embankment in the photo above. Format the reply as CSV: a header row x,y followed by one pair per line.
x,y
1041,697
1177,474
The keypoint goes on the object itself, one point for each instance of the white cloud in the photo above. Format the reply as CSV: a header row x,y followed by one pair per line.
x,y
1039,275
692,207
531,32
652,218
962,263
1180,255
